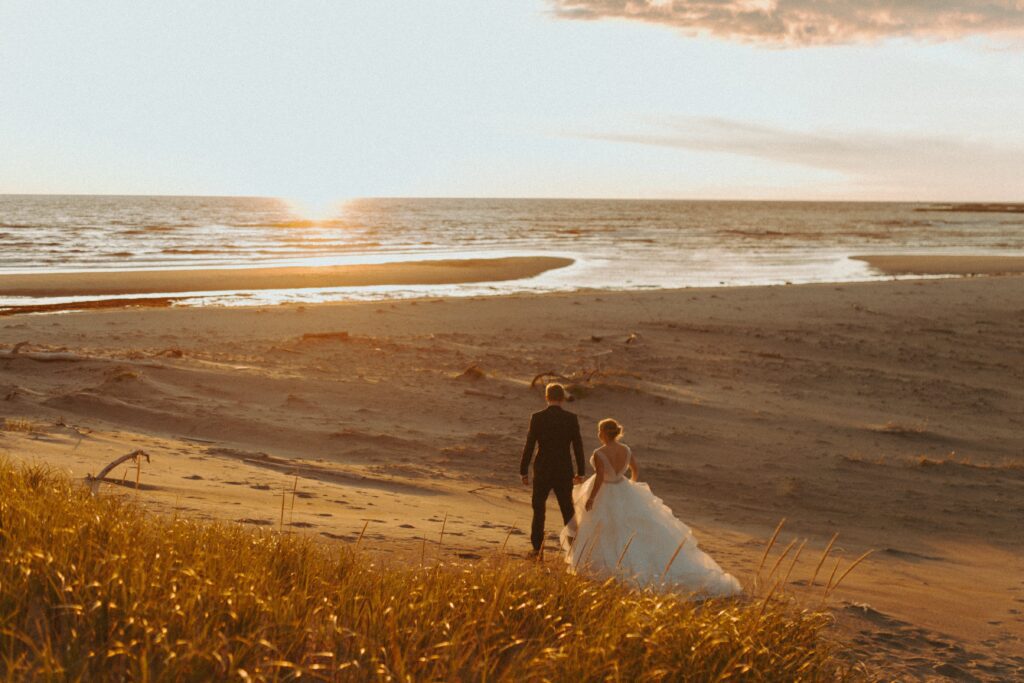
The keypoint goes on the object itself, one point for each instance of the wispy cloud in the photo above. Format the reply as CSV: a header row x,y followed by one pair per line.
x,y
795,23
885,165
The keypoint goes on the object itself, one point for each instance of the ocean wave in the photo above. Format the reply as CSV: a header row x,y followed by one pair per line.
x,y
175,250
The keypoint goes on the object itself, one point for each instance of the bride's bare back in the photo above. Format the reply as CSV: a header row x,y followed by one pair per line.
x,y
619,456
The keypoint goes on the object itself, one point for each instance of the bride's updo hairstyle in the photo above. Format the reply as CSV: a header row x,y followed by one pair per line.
x,y
610,428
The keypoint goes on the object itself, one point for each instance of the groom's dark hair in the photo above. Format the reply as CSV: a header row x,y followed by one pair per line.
x,y
554,392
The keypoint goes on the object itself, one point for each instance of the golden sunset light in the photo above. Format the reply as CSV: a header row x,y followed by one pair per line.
x,y
549,340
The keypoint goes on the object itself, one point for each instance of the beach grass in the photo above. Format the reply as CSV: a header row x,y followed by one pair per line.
x,y
97,588
15,424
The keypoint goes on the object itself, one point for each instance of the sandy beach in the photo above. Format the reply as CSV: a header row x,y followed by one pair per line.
x,y
889,412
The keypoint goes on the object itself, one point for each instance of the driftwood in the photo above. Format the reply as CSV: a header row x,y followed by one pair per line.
x,y
94,482
550,374
16,353
575,378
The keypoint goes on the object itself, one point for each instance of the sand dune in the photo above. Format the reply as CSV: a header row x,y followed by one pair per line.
x,y
889,412
448,271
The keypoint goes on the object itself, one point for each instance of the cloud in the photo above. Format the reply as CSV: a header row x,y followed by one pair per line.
x,y
797,23
884,165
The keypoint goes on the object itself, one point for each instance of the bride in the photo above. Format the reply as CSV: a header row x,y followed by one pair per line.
x,y
622,530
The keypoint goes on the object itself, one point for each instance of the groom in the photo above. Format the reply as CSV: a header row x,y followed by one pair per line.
x,y
553,429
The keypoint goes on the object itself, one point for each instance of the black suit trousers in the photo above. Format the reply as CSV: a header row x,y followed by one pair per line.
x,y
543,485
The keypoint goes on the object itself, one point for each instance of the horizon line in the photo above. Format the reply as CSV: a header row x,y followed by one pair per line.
x,y
526,198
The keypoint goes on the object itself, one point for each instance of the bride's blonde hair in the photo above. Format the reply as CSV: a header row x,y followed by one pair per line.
x,y
610,428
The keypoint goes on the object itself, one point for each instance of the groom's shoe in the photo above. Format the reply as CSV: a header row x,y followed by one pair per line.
x,y
535,555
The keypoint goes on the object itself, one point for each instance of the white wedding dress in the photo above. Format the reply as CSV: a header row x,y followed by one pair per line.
x,y
627,513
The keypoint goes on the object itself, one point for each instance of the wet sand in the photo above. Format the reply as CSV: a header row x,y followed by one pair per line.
x,y
890,412
440,272
936,264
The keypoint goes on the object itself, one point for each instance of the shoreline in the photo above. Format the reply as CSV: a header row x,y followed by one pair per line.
x,y
427,272
236,287
161,300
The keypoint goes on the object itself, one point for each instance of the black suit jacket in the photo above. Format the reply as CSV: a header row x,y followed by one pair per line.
x,y
553,430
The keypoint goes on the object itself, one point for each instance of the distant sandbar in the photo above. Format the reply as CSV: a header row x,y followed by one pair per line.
x,y
943,264
442,272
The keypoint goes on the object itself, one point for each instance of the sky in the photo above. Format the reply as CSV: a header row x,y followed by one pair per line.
x,y
322,101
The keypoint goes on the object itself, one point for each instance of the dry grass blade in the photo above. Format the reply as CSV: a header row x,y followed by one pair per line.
x,y
785,580
672,560
824,556
291,511
284,497
362,533
444,523
828,586
764,603
778,562
622,555
768,548
511,529
847,572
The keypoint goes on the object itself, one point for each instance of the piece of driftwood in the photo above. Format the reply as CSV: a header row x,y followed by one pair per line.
x,y
550,374
42,357
16,353
583,376
94,482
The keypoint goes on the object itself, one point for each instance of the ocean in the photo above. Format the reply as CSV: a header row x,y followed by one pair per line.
x,y
617,244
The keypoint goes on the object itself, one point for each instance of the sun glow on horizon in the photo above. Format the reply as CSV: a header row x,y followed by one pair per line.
x,y
316,209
